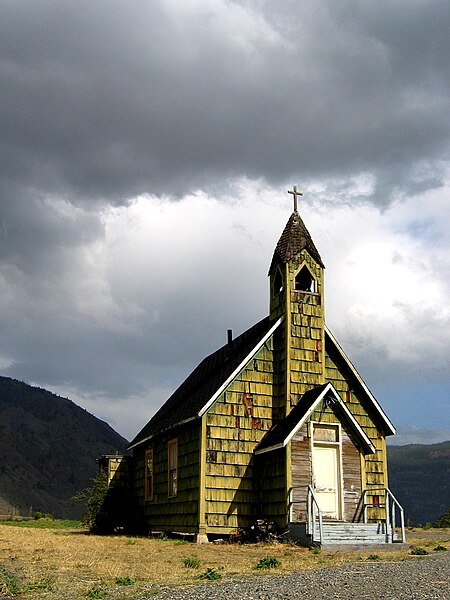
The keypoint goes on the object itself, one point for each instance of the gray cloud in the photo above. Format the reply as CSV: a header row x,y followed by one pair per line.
x,y
107,100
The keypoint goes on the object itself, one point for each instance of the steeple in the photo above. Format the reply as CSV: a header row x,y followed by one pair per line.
x,y
296,294
293,240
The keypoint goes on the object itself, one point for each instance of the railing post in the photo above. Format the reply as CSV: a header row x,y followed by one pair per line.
x,y
387,509
393,520
320,526
291,505
364,494
310,513
402,521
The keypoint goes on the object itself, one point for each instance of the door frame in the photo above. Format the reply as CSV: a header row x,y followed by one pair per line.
x,y
339,475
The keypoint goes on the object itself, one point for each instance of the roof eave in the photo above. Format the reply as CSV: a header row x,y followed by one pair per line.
x,y
241,365
219,391
388,424
351,421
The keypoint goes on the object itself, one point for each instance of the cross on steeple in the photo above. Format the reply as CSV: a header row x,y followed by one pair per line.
x,y
295,194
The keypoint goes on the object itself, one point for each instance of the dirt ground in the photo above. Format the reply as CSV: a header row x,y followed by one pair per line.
x,y
59,564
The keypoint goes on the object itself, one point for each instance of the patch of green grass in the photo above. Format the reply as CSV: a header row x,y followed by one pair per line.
x,y
131,541
44,523
9,584
96,592
124,581
316,550
418,551
210,575
191,562
373,557
41,585
440,548
268,562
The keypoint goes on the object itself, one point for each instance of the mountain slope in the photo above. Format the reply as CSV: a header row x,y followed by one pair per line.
x,y
419,476
48,448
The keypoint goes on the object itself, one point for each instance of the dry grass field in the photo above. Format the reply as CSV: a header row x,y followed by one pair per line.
x,y
58,563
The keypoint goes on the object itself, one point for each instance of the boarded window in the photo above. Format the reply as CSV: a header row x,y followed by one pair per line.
x,y
326,433
149,475
172,452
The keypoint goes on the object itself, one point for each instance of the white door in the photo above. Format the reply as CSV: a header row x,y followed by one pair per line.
x,y
326,480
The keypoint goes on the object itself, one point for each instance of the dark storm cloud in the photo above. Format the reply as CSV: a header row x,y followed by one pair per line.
x,y
105,100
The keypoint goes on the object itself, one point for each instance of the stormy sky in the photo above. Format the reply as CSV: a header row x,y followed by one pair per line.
x,y
146,148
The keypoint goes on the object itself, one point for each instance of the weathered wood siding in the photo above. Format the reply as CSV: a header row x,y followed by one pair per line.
x,y
373,465
351,476
301,472
272,480
179,513
235,424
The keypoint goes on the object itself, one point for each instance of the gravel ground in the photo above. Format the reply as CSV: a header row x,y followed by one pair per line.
x,y
418,578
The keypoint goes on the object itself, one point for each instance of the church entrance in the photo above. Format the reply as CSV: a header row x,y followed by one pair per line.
x,y
326,469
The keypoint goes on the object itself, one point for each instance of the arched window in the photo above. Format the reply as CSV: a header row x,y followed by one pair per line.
x,y
278,282
304,281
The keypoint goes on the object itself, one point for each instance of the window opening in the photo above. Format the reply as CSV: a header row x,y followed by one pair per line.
x,y
149,474
304,281
278,282
172,451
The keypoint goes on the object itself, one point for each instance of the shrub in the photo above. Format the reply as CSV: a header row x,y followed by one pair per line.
x,y
373,557
94,499
268,562
210,574
96,592
440,548
418,551
124,581
191,562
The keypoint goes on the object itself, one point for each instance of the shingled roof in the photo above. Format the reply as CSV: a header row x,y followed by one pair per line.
x,y
187,402
294,238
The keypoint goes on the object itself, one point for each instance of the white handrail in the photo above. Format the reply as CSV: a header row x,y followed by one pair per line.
x,y
391,503
394,503
313,510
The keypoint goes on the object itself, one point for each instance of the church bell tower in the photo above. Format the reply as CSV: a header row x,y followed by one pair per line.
x,y
296,294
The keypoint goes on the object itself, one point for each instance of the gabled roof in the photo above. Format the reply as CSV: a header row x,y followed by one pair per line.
x,y
280,434
294,238
207,381
332,344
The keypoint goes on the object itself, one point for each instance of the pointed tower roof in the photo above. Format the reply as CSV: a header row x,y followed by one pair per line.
x,y
294,238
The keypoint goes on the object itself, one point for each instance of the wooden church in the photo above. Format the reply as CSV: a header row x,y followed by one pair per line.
x,y
277,424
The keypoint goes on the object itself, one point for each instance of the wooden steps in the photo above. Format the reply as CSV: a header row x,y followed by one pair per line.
x,y
352,533
340,535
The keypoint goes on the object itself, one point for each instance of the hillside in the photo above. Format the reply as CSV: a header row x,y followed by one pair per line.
x,y
48,448
419,476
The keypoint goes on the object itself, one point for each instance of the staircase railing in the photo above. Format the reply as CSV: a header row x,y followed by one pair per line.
x,y
314,513
392,506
